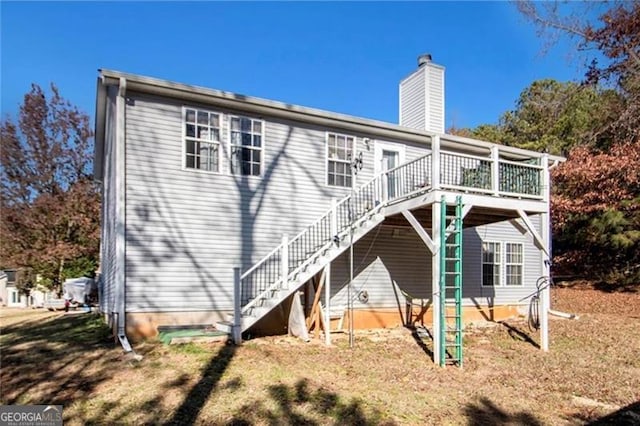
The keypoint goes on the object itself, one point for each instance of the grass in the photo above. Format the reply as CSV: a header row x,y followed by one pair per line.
x,y
387,379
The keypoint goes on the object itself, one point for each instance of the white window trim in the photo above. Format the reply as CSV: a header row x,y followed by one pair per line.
x,y
521,244
326,158
183,152
230,117
503,264
500,264
382,146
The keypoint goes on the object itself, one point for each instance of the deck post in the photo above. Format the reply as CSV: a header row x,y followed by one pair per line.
x,y
435,279
435,162
285,261
495,170
236,334
327,304
545,297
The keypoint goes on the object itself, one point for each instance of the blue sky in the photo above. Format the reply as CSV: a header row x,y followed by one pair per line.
x,y
343,57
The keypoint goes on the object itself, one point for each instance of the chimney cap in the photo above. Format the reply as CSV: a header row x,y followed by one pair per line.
x,y
424,59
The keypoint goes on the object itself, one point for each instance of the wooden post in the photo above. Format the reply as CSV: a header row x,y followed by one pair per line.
x,y
495,170
315,317
435,278
237,315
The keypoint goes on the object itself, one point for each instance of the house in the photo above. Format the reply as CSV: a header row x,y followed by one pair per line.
x,y
11,296
219,208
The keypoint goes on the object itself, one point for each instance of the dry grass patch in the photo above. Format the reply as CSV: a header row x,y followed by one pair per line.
x,y
388,378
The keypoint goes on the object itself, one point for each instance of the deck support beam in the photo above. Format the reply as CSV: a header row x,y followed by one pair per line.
x,y
538,240
419,230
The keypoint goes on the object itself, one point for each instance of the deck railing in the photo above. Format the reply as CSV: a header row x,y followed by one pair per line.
x,y
454,171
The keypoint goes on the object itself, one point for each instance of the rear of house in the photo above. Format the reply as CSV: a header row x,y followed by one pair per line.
x,y
196,182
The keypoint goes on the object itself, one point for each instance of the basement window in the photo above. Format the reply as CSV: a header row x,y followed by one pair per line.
x,y
246,146
339,154
514,263
491,263
201,140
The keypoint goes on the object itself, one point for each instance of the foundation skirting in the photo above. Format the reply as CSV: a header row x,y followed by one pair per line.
x,y
145,325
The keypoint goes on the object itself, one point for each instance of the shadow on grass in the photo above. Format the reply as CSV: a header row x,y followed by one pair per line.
x,y
419,334
54,360
300,404
626,416
197,397
516,334
487,413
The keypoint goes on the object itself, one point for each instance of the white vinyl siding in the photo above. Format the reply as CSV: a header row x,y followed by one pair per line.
x,y
422,99
202,131
340,150
246,139
185,231
108,258
491,261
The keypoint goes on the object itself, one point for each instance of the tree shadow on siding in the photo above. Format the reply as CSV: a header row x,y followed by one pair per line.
x,y
156,208
485,412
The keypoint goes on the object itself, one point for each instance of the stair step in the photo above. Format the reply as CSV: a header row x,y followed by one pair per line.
x,y
224,326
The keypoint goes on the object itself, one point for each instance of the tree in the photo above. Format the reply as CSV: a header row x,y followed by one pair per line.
x,y
50,206
551,116
610,44
596,212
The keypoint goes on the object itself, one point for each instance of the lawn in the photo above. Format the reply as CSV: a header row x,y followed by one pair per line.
x,y
592,370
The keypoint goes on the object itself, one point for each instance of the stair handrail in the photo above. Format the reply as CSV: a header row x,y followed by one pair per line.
x,y
264,259
274,286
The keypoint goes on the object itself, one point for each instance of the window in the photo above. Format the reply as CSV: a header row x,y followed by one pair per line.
x,y
339,152
490,263
246,146
11,277
514,263
202,140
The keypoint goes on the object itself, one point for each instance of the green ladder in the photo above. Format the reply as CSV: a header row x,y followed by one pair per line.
x,y
451,283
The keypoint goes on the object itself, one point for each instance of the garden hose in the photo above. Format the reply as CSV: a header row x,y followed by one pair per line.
x,y
533,319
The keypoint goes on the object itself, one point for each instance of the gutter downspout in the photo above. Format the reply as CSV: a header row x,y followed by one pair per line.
x,y
120,217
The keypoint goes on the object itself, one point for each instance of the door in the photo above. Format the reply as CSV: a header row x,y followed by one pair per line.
x,y
390,156
391,160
